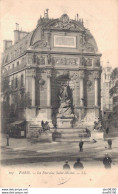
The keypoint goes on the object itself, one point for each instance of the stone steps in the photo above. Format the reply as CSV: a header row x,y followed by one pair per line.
x,y
72,135
71,131
67,134
73,140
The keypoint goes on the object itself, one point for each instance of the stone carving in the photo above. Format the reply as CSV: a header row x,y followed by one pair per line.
x,y
96,74
39,44
89,84
49,58
65,109
81,74
66,61
74,76
49,73
30,58
83,61
41,82
64,23
85,42
33,58
64,18
90,116
97,62
40,60
71,61
31,73
89,62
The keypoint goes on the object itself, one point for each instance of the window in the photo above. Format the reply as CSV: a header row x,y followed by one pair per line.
x,y
15,53
17,63
22,61
21,80
16,82
13,66
12,83
11,56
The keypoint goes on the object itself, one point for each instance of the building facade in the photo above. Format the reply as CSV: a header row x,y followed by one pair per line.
x,y
107,101
54,73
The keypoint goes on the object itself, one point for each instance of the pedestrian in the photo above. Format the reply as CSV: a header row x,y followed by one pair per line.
x,y
81,145
88,132
107,130
78,164
66,166
42,124
107,161
109,143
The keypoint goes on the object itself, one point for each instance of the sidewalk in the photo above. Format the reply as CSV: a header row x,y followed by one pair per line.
x,y
25,144
56,149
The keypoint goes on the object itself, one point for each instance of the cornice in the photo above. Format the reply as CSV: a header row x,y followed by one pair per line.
x,y
63,52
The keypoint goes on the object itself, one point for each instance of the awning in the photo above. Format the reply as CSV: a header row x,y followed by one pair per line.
x,y
17,123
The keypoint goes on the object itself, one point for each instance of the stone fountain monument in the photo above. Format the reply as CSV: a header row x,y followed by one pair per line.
x,y
65,113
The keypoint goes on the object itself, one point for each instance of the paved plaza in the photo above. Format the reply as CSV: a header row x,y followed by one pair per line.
x,y
23,152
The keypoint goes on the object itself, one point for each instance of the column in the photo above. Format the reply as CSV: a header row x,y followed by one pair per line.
x,y
30,84
96,77
81,77
48,88
47,36
33,90
49,112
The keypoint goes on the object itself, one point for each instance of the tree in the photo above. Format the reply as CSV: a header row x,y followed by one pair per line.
x,y
114,80
114,94
5,92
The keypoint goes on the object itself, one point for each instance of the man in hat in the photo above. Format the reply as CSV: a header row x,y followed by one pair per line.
x,y
81,145
78,164
66,166
109,143
107,130
107,161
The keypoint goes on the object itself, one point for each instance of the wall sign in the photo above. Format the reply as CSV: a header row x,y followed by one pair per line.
x,y
65,41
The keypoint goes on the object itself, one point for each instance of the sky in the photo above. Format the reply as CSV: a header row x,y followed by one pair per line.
x,y
100,17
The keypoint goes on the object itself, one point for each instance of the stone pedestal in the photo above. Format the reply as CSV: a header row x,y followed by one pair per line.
x,y
64,122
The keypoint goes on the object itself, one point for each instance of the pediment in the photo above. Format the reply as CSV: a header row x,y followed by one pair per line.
x,y
65,23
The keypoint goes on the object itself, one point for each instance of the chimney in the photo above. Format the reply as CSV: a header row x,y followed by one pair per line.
x,y
7,44
18,35
77,16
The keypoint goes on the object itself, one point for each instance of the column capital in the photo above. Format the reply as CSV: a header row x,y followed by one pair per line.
x,y
96,74
31,73
81,74
49,73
